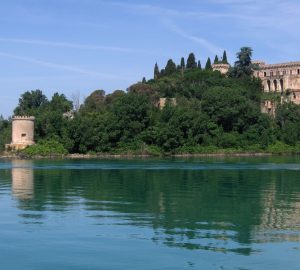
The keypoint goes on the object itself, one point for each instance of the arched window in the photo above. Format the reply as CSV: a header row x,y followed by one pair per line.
x,y
281,85
269,85
275,85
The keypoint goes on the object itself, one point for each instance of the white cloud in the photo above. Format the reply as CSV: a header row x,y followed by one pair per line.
x,y
199,40
72,45
73,69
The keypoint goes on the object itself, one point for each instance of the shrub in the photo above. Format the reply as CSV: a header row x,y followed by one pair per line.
x,y
45,148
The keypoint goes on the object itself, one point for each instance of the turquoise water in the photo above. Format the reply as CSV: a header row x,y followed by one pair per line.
x,y
238,213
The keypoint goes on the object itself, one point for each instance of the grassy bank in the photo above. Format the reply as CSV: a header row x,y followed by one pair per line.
x,y
53,149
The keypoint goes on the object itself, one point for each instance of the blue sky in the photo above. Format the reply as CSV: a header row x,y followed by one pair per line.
x,y
77,46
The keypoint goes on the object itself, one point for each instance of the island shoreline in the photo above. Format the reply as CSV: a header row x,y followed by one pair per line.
x,y
133,156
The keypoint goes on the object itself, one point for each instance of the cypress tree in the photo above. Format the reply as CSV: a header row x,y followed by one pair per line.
x,y
144,80
208,64
182,63
156,72
199,65
216,61
170,67
191,61
224,59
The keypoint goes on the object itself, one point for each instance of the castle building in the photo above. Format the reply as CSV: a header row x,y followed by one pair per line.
x,y
22,132
162,102
282,78
223,68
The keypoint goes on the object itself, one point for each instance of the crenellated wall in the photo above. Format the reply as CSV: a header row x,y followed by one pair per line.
x,y
22,132
223,68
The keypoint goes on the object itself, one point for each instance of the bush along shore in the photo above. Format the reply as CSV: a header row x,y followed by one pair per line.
x,y
204,113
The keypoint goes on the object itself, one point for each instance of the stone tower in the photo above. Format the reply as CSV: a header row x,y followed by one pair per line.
x,y
22,132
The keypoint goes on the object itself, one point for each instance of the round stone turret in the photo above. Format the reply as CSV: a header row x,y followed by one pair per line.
x,y
22,132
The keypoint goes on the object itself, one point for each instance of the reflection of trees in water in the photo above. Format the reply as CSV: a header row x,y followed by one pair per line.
x,y
212,210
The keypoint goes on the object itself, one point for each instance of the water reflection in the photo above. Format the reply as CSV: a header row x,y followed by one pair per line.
x,y
208,209
22,179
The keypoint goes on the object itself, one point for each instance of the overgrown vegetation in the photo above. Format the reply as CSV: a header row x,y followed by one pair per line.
x,y
213,113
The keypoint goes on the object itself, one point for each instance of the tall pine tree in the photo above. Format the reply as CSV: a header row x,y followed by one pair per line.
x,y
170,67
191,62
199,65
216,61
224,59
156,72
208,64
182,63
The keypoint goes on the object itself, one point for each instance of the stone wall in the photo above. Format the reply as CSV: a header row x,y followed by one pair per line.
x,y
22,132
223,68
163,101
281,78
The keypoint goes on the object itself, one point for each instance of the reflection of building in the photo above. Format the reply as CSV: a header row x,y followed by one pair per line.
x,y
22,179
278,223
22,132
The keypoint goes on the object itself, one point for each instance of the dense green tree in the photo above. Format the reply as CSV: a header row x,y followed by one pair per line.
x,y
170,68
216,61
29,102
208,64
224,58
95,101
212,111
182,63
191,62
156,72
59,103
5,132
243,66
288,120
199,65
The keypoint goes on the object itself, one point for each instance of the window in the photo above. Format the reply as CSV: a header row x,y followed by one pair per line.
x,y
23,135
291,72
271,73
298,71
265,74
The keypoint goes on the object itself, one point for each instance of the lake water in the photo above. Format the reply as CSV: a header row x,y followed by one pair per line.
x,y
237,213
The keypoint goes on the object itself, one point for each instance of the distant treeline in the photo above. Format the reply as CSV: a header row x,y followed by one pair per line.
x,y
213,112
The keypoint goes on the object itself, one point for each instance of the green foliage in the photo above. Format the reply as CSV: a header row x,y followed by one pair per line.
x,y
156,72
170,68
216,61
45,148
214,113
29,102
191,62
208,64
224,58
243,66
5,132
182,63
199,65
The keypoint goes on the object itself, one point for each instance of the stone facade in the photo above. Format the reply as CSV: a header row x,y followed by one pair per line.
x,y
281,78
162,102
223,68
22,132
